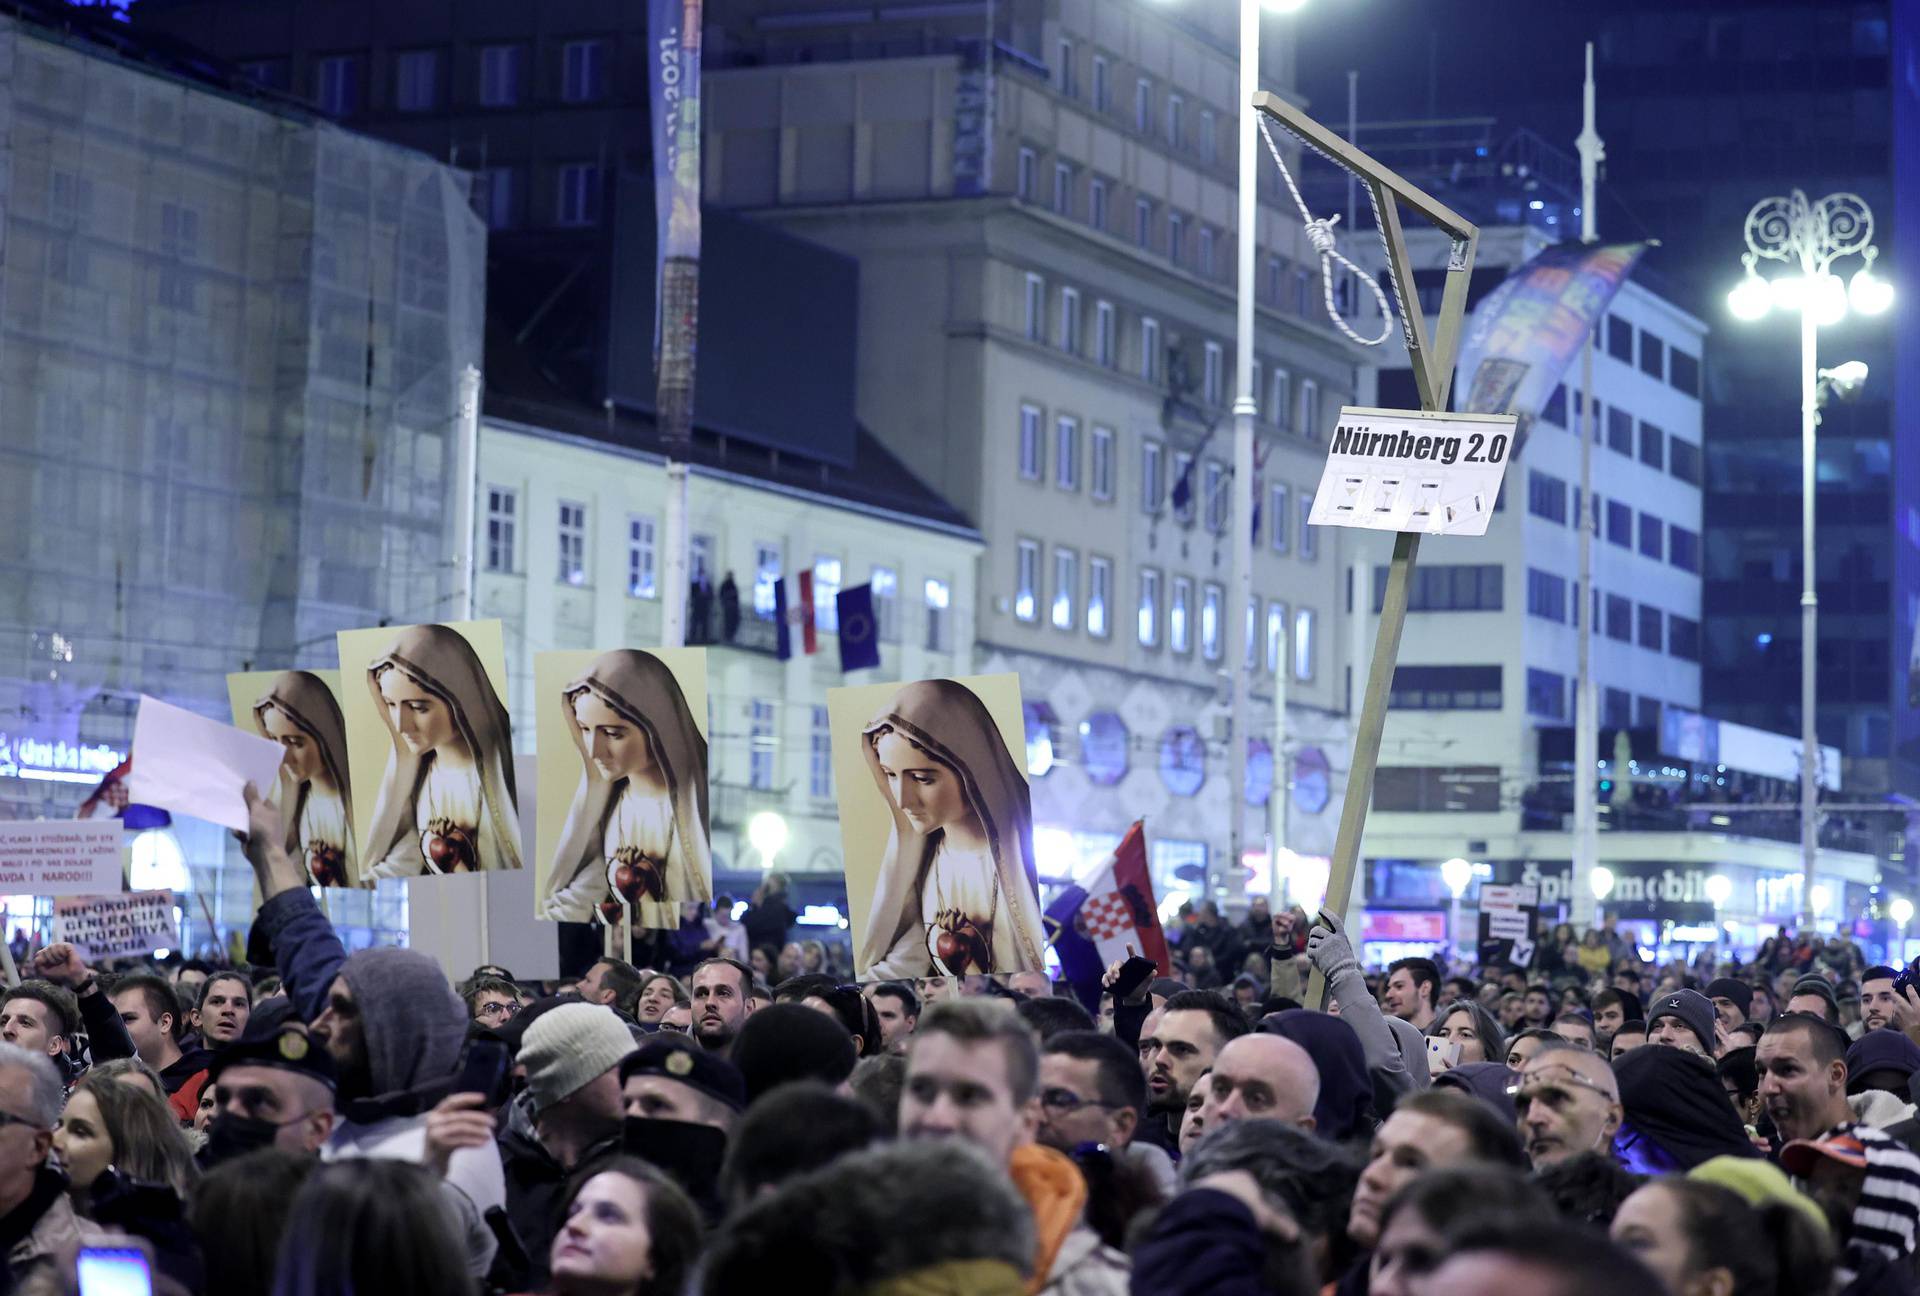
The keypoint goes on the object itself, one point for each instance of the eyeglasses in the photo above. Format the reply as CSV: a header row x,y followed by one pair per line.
x,y
498,1010
8,1118
1550,1091
1067,1101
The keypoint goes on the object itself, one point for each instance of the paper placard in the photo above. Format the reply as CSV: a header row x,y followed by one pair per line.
x,y
1508,924
116,926
190,765
60,857
1508,897
1407,470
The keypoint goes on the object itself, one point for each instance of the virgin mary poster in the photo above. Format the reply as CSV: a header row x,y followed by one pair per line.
x,y
623,746
937,828
300,710
430,749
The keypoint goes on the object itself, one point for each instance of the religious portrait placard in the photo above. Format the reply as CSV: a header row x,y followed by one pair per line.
x,y
429,749
300,710
936,824
622,735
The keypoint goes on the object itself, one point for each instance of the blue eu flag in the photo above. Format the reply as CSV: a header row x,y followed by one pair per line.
x,y
859,632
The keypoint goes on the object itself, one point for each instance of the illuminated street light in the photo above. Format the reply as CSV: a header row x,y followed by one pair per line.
x,y
767,832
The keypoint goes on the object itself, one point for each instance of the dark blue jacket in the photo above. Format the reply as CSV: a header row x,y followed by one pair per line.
x,y
305,949
1204,1243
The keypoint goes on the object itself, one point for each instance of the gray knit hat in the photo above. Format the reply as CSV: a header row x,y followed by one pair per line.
x,y
1692,1009
569,1048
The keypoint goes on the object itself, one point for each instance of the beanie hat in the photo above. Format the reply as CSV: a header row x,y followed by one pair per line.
x,y
1881,1050
1693,1009
784,1042
513,1032
1490,1082
569,1048
677,1058
1817,985
1729,988
413,1023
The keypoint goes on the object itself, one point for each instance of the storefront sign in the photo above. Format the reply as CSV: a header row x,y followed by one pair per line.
x,y
23,756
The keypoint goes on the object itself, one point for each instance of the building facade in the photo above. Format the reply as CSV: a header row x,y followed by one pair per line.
x,y
232,338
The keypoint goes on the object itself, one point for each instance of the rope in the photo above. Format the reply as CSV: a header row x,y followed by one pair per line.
x,y
1320,234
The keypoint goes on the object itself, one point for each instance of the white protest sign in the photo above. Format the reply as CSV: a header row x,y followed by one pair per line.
x,y
57,857
1508,897
114,926
1408,470
191,765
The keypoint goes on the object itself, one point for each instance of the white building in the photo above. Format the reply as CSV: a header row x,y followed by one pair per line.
x,y
571,522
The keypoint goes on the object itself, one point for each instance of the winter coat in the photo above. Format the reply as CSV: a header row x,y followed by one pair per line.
x,y
1069,1258
1205,1243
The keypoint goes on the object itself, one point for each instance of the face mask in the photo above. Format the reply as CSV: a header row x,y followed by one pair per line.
x,y
690,1153
230,1135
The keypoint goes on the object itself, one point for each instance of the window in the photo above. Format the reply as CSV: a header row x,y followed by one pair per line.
x,y
885,583
1683,638
1062,189
579,200
1143,105
938,596
1309,409
1303,644
700,558
826,592
500,75
642,578
1546,595
1149,617
1650,621
1277,523
1619,431
760,746
1280,408
1546,496
1179,612
1066,587
1448,587
1683,460
337,84
1069,83
1546,694
1616,708
1206,252
1555,410
1149,348
1302,291
820,757
1653,446
1036,308
1653,355
1176,236
1619,339
1100,467
1106,348
1619,524
1309,538
1102,99
1152,484
573,543
1214,374
499,197
1209,141
1026,580
1683,548
767,571
1070,320
1176,119
1210,599
502,507
1276,634
1215,478
1646,713
1446,688
1683,371
416,80
1023,177
583,71
1619,618
1276,279
1652,537
1142,223
1066,453
1099,595
1033,455
1097,204
1182,499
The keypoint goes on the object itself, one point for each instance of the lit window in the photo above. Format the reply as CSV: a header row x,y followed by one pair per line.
x,y
502,506
885,583
573,543
766,579
1099,594
1026,583
939,598
641,579
826,588
1179,628
1066,587
1210,622
1149,619
1303,644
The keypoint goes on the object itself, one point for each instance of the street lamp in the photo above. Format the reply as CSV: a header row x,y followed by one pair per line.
x,y
1810,237
767,833
1719,890
1901,911
1457,874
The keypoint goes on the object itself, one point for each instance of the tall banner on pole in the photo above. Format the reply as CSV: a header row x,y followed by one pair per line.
x,y
673,31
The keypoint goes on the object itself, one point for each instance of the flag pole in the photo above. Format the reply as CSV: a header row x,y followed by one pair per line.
x,y
1586,730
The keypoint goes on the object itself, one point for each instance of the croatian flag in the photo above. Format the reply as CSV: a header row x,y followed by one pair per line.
x,y
1091,924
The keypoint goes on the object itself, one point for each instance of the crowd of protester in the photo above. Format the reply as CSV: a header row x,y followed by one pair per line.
x,y
326,1123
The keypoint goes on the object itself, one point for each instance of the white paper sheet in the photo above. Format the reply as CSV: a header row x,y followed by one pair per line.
x,y
190,765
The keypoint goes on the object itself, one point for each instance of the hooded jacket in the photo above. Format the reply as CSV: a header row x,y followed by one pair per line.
x,y
641,688
1345,1107
1674,1100
305,699
946,720
441,661
1069,1258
